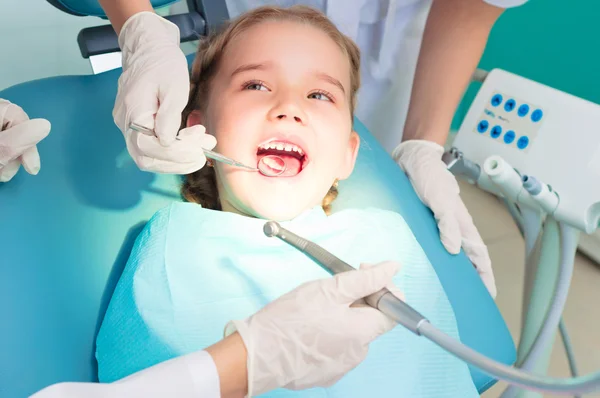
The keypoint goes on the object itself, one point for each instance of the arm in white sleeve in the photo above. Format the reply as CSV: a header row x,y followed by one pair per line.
x,y
193,375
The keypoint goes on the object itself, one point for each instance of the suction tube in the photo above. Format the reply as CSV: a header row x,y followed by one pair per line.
x,y
552,318
405,315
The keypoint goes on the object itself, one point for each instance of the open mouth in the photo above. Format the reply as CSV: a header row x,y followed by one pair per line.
x,y
293,155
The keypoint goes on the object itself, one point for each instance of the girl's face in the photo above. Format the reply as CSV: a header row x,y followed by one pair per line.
x,y
282,88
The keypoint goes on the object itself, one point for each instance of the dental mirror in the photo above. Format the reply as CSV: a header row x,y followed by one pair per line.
x,y
271,165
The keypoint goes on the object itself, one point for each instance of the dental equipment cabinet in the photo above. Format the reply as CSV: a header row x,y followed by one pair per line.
x,y
534,147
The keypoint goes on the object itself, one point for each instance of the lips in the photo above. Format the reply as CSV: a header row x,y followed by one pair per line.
x,y
290,151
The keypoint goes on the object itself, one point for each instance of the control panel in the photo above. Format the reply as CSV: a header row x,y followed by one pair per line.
x,y
510,120
542,132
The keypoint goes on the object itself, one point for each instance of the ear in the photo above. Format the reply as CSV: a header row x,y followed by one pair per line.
x,y
194,118
350,158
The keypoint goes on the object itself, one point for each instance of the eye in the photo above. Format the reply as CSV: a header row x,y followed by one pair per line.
x,y
321,95
255,85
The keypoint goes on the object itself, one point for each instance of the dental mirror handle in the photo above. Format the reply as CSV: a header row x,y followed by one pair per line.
x,y
222,158
383,300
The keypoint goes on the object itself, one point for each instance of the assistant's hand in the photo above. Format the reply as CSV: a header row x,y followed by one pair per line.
x,y
313,335
19,137
153,91
438,189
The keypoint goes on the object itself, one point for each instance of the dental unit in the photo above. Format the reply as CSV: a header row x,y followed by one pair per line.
x,y
551,241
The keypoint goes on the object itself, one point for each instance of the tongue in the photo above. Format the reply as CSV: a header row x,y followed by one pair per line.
x,y
292,165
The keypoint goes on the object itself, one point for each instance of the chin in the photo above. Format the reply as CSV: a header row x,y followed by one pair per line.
x,y
279,211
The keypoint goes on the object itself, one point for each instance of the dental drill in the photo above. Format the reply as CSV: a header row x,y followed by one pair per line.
x,y
411,319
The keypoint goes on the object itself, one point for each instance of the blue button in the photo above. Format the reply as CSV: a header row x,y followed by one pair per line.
x,y
496,100
536,115
523,110
510,105
509,137
496,131
523,142
482,126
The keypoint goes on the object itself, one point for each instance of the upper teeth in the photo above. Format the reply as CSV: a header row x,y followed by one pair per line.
x,y
282,146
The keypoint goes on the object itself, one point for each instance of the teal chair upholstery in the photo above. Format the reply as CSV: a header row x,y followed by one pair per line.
x,y
67,232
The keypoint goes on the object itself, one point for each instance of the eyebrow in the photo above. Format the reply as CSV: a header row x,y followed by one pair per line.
x,y
331,80
247,67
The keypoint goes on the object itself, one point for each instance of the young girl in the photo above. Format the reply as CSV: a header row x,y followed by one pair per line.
x,y
275,81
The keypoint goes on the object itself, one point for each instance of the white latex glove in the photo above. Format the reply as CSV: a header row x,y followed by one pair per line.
x,y
18,139
313,335
438,189
153,91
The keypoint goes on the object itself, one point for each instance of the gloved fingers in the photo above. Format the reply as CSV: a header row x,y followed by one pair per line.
x,y
370,323
11,114
450,233
8,172
172,101
475,248
167,167
490,282
395,290
181,151
31,160
16,139
472,243
354,285
207,141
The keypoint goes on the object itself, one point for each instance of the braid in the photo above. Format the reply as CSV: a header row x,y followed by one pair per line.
x,y
332,195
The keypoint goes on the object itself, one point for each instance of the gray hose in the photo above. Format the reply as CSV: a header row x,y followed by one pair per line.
x,y
569,350
510,374
568,238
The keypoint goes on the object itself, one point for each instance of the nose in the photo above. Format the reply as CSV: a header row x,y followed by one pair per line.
x,y
288,109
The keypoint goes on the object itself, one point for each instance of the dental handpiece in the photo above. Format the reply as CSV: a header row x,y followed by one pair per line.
x,y
383,300
408,317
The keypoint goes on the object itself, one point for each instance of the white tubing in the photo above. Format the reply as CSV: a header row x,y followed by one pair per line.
x,y
541,193
508,180
568,239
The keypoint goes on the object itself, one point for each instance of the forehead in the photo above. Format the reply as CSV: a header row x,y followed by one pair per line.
x,y
291,46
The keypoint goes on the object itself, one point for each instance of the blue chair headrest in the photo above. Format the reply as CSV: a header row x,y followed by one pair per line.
x,y
92,7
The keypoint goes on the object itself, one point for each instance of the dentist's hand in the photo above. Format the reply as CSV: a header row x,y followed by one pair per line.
x,y
153,91
438,189
313,335
18,139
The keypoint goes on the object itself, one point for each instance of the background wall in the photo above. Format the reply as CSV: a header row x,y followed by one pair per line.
x,y
38,40
554,42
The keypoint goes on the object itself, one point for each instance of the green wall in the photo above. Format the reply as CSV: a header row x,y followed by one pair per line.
x,y
553,42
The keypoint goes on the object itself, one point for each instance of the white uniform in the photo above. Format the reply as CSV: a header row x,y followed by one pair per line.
x,y
193,375
389,34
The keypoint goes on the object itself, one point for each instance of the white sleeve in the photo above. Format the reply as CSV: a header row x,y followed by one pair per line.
x,y
193,375
506,3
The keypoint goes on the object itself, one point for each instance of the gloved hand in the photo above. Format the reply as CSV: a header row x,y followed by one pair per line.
x,y
153,90
438,189
18,139
313,335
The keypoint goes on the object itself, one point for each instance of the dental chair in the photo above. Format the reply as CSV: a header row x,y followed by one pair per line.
x,y
67,232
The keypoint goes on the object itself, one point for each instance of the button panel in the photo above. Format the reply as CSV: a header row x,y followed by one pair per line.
x,y
510,121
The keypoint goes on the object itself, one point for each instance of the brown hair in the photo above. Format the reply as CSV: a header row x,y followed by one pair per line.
x,y
200,187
